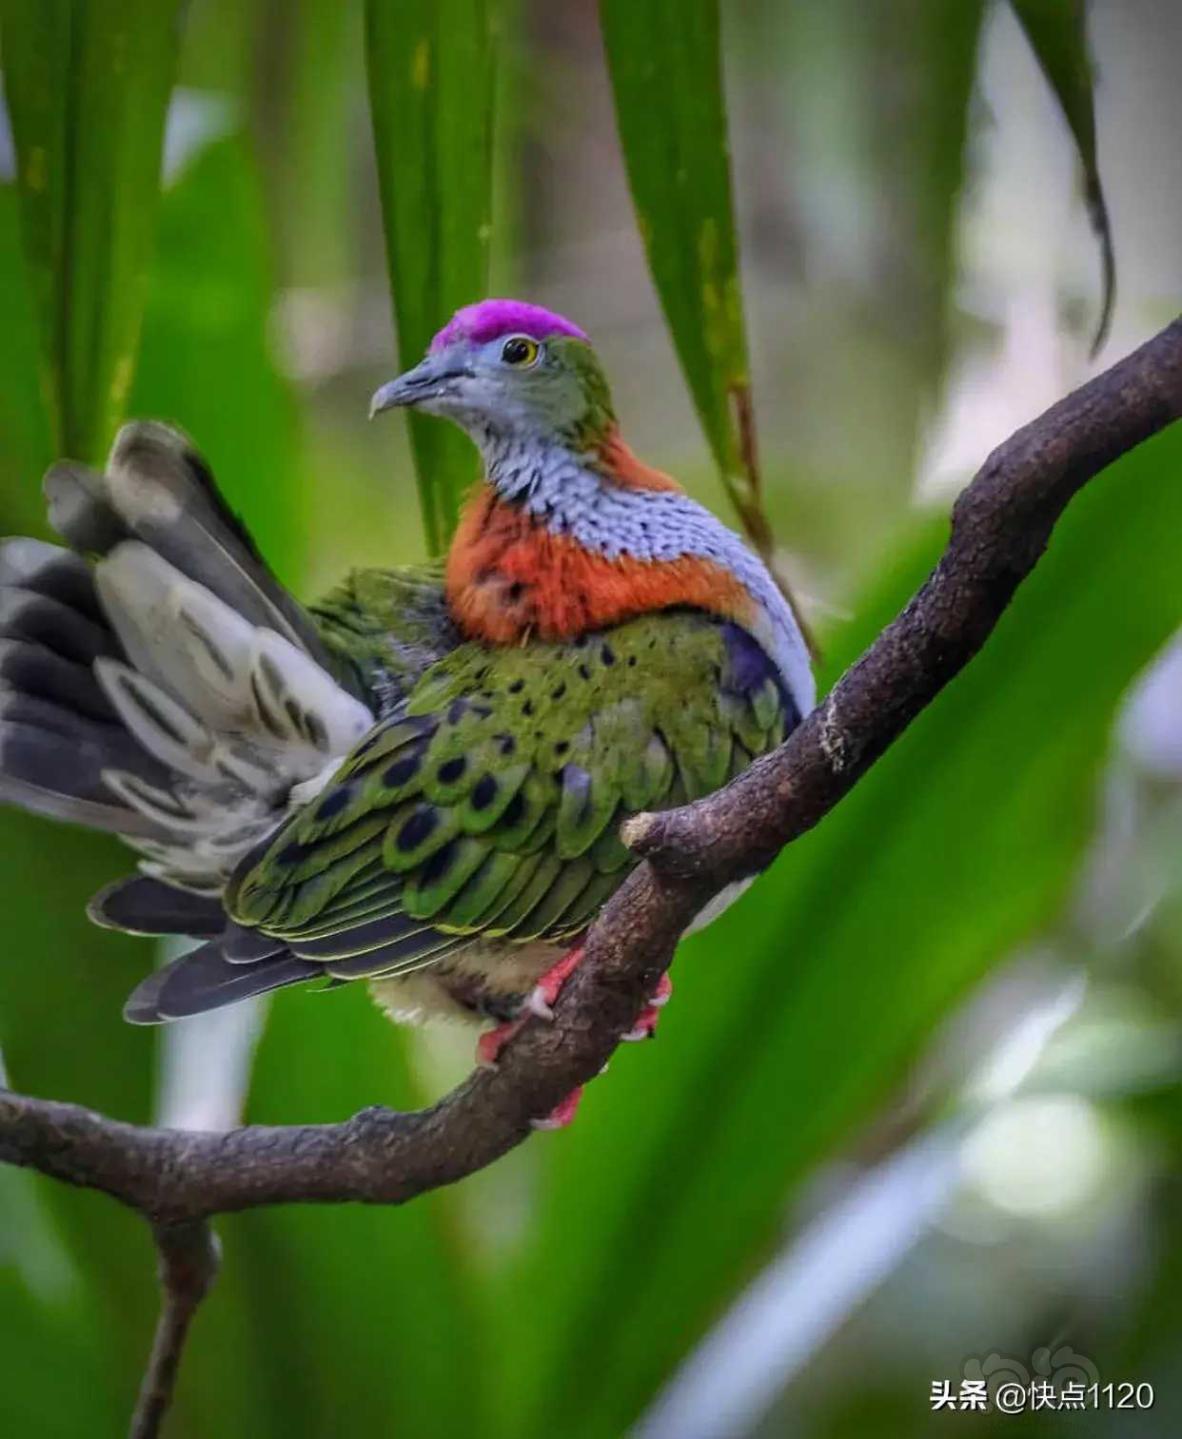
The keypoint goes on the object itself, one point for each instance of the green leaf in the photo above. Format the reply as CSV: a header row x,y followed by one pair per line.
x,y
794,1016
25,446
87,86
311,193
666,71
1057,31
206,361
918,59
431,67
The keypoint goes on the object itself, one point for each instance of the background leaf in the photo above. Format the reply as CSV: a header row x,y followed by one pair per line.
x,y
796,1013
431,66
87,86
924,54
665,62
1057,31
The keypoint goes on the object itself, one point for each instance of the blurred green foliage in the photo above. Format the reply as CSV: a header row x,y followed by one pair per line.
x,y
1057,31
665,61
87,88
431,66
557,1292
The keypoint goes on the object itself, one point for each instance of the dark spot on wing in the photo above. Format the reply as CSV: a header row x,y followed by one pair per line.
x,y
333,802
439,863
513,811
417,829
401,771
484,792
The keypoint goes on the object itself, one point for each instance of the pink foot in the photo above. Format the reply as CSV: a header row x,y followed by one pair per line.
x,y
561,1116
646,1021
540,1002
492,1041
545,992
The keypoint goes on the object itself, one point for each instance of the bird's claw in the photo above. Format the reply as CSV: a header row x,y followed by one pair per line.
x,y
546,991
540,1003
645,1026
646,1021
562,1114
492,1041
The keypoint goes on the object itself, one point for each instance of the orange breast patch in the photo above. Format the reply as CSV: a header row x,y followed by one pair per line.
x,y
509,577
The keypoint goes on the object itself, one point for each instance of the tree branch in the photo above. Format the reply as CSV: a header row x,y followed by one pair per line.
x,y
1000,526
188,1266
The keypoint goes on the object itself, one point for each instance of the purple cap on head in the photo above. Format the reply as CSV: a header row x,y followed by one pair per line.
x,y
492,318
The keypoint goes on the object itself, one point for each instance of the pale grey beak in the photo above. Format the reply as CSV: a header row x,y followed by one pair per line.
x,y
429,379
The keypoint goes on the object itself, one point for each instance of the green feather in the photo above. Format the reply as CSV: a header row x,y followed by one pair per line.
x,y
488,801
430,887
491,885
561,895
513,919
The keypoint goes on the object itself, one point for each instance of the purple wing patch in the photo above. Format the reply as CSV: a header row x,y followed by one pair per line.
x,y
749,665
491,318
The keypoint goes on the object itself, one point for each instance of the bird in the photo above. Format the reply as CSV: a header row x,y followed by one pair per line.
x,y
419,779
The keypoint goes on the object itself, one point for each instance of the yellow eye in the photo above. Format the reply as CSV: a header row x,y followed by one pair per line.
x,y
520,351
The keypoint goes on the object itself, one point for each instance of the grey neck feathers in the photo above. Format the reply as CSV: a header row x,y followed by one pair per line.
x,y
570,496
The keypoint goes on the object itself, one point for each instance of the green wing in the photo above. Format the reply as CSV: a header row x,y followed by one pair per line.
x,y
387,627
489,802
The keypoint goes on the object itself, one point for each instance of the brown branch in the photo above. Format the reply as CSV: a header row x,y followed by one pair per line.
x,y
1000,526
188,1265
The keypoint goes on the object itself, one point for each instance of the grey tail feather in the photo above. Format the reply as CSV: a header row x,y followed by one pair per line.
x,y
58,730
144,905
79,510
30,668
47,569
197,533
204,979
64,740
59,734
241,945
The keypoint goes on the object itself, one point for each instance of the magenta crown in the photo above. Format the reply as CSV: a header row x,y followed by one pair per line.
x,y
492,318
